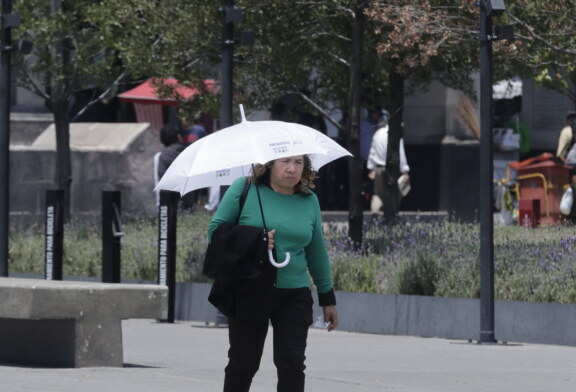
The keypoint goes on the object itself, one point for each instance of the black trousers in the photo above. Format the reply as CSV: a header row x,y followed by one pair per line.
x,y
291,317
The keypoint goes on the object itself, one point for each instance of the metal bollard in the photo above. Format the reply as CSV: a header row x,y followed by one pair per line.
x,y
54,233
111,236
167,223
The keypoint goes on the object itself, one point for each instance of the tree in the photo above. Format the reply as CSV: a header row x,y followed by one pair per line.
x,y
355,215
420,41
545,42
69,54
328,54
97,43
317,57
438,39
332,51
543,48
86,44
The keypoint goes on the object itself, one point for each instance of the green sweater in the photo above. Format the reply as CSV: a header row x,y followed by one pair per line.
x,y
298,224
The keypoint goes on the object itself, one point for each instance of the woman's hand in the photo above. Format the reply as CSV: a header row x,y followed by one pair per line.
x,y
372,174
331,316
271,239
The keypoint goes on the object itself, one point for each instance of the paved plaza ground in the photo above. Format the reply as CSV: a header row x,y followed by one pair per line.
x,y
190,356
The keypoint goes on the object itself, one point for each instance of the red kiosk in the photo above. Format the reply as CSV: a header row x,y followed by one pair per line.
x,y
148,104
540,184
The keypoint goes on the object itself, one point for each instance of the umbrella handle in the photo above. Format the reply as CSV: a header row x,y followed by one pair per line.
x,y
274,263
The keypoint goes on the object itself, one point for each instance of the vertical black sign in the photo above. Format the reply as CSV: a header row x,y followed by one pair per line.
x,y
111,236
54,231
167,219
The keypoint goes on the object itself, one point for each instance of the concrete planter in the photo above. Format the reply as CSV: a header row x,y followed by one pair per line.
x,y
449,318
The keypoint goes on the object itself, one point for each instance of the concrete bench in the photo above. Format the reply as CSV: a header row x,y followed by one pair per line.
x,y
71,324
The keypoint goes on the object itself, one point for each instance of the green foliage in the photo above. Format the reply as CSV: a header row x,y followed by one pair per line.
x,y
415,257
139,253
545,41
442,259
355,274
70,53
418,277
26,250
439,39
315,57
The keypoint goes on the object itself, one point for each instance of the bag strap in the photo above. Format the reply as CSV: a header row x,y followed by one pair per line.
x,y
243,196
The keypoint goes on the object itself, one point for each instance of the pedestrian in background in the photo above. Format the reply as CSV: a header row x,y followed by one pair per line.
x,y
566,151
372,120
169,137
376,165
190,132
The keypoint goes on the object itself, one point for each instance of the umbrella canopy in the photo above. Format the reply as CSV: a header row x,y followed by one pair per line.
x,y
222,157
148,93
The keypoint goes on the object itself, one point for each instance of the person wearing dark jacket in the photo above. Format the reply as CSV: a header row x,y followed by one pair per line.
x,y
172,148
164,158
282,297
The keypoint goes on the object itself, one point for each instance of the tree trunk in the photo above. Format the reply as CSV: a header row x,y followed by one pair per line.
x,y
59,92
355,205
396,130
63,155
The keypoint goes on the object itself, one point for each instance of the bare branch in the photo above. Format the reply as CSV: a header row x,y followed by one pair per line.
x,y
339,59
30,81
99,98
347,10
325,34
318,108
539,38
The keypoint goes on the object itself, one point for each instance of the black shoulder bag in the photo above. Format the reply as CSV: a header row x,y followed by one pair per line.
x,y
211,266
243,196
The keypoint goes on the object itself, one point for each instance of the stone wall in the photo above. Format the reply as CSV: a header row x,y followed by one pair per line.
x,y
105,157
412,315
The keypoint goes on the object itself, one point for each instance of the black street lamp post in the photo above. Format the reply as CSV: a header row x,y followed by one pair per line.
x,y
487,334
9,21
488,8
230,15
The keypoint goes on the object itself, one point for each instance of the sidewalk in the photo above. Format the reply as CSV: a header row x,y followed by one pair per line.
x,y
189,356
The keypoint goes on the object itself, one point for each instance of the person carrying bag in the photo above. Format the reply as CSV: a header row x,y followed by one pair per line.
x,y
256,293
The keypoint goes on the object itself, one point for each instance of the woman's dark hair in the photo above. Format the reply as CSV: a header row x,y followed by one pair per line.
x,y
262,173
169,135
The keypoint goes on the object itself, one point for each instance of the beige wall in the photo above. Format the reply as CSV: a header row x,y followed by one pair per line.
x,y
105,157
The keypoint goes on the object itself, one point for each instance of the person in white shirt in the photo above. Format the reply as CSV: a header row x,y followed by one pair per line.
x,y
376,165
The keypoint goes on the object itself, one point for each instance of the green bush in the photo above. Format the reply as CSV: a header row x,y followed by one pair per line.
x,y
139,249
357,275
441,258
415,256
418,277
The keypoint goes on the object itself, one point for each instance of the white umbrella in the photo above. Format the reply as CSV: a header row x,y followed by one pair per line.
x,y
222,157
